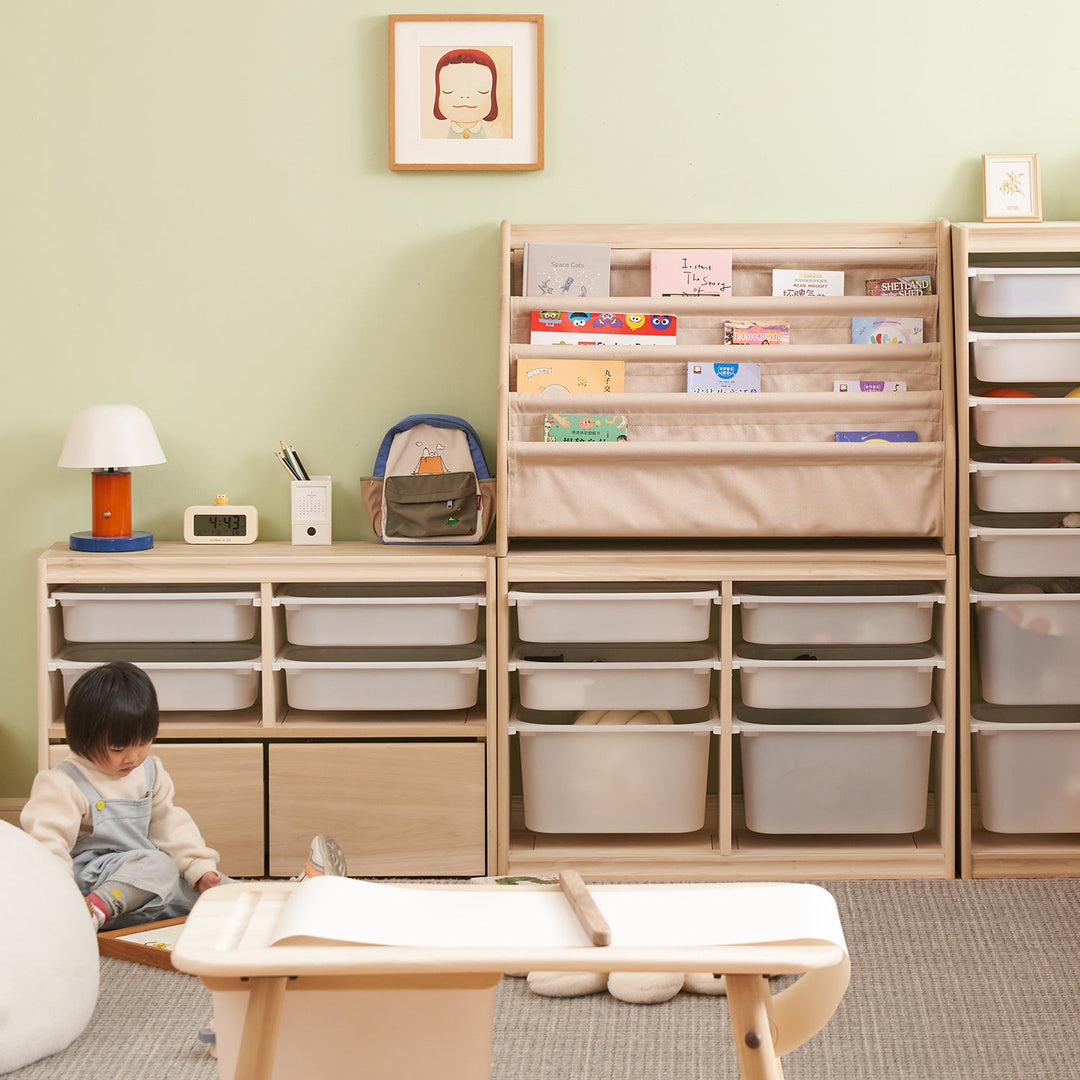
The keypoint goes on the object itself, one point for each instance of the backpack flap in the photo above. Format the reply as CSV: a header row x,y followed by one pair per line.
x,y
430,506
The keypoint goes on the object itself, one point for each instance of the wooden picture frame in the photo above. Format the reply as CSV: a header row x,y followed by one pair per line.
x,y
1012,188
465,63
147,943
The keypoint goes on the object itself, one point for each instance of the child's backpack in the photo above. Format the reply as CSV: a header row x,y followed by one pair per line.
x,y
430,484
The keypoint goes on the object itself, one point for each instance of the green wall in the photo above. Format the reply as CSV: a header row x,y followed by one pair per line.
x,y
196,214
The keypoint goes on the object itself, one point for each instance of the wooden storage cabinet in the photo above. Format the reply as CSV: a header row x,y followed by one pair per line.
x,y
725,848
409,792
1019,330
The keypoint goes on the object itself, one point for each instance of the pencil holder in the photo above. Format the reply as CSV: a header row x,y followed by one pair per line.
x,y
311,510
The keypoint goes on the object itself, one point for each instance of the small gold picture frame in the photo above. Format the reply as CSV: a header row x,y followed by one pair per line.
x,y
1012,190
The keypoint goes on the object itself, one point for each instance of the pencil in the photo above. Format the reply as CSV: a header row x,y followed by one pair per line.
x,y
299,464
584,907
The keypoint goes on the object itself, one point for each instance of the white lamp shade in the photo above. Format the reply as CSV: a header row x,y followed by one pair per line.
x,y
110,437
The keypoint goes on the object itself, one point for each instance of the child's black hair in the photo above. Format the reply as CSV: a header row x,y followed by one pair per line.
x,y
110,707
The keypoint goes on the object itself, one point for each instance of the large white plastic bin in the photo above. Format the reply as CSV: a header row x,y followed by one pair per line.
x,y
436,613
1027,768
127,613
620,676
1020,487
1034,421
1011,358
613,779
1025,291
837,612
187,676
806,772
607,612
1020,547
836,676
350,678
1028,644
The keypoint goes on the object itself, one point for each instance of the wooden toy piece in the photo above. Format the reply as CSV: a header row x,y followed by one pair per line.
x,y
584,907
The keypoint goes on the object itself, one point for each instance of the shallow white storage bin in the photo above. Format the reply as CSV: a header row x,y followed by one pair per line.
x,y
803,772
1025,487
1036,421
588,611
836,676
157,612
187,676
613,779
363,678
1027,768
1010,358
1025,291
1028,644
436,613
614,676
1021,547
837,612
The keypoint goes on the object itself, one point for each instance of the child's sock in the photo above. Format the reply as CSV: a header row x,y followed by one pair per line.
x,y
113,898
98,911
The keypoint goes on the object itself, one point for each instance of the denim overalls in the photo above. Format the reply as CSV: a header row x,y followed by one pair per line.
x,y
119,849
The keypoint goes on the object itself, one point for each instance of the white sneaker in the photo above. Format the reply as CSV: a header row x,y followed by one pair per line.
x,y
325,859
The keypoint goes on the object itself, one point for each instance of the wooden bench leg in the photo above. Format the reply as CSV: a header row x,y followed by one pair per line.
x,y
748,1003
258,1044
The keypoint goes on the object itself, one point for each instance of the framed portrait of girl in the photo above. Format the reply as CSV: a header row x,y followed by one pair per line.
x,y
466,92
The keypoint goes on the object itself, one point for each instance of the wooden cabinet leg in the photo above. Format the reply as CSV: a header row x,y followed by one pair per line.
x,y
748,1003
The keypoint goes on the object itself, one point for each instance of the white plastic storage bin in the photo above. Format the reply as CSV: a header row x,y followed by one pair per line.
x,y
1020,487
613,779
606,612
338,678
1025,291
837,612
187,676
1027,768
381,614
614,676
1021,547
129,613
805,772
836,676
1027,643
1018,421
1010,358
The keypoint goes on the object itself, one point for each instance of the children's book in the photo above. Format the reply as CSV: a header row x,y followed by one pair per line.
x,y
570,376
751,332
584,427
722,378
570,270
600,328
916,285
808,283
867,386
877,436
879,331
690,272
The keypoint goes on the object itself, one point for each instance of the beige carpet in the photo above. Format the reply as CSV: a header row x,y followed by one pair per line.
x,y
951,981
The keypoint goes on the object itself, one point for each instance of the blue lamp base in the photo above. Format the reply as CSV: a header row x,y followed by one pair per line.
x,y
86,541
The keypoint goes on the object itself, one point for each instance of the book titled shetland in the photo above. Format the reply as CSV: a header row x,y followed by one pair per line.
x,y
808,283
722,378
570,270
600,328
570,376
915,285
690,272
584,427
750,332
871,331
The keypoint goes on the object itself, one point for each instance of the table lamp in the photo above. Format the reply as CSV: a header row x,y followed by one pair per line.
x,y
109,439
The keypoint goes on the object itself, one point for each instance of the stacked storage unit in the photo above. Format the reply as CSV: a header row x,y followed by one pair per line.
x,y
1018,321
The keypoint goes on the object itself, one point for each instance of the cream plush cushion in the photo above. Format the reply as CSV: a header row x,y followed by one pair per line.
x,y
48,953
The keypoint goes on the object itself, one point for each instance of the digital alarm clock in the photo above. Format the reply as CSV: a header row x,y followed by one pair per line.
x,y
221,524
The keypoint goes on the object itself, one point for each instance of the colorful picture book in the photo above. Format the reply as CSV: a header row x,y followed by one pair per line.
x,y
877,436
808,283
570,270
881,331
600,328
751,332
584,427
570,376
722,378
915,285
867,386
690,272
